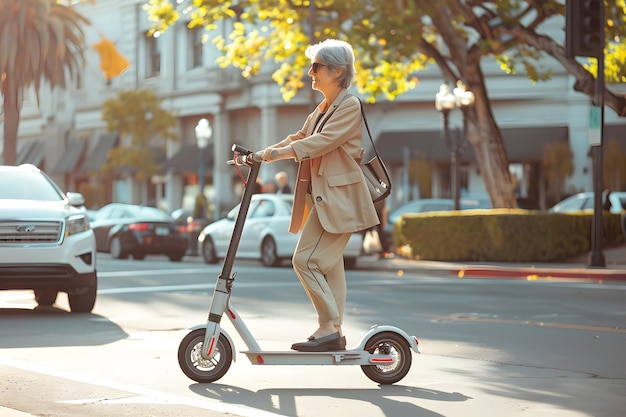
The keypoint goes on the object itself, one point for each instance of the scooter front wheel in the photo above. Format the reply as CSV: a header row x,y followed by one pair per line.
x,y
388,343
198,368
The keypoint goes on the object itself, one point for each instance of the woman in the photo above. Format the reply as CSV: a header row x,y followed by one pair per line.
x,y
331,198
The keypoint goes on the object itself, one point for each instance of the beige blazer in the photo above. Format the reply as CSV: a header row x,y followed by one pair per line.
x,y
329,162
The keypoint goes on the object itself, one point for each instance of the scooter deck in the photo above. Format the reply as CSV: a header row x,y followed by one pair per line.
x,y
339,357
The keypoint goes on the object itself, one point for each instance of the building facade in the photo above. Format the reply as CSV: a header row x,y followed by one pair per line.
x,y
66,135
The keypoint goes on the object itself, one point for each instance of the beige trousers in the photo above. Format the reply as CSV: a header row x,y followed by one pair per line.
x,y
318,262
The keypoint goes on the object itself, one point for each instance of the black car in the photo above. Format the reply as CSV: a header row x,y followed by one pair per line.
x,y
132,230
189,226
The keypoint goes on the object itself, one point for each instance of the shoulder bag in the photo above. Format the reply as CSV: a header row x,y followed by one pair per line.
x,y
374,170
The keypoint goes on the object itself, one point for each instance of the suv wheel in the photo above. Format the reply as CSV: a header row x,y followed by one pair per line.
x,y
84,301
45,298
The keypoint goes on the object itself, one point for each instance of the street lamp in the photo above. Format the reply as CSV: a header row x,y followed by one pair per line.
x,y
203,136
445,102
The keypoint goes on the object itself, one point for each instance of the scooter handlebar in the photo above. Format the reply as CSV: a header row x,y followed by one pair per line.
x,y
247,157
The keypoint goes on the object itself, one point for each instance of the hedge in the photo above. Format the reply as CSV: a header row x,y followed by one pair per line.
x,y
501,235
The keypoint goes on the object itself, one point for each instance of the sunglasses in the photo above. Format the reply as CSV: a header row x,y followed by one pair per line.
x,y
316,65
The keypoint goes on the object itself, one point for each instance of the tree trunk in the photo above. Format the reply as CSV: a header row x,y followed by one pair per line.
x,y
486,138
11,122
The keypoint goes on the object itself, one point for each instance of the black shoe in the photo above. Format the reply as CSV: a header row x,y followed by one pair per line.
x,y
342,343
322,344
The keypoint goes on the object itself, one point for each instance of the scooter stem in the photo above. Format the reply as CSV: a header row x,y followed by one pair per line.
x,y
223,287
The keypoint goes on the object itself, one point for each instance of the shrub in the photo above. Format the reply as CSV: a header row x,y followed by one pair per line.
x,y
501,235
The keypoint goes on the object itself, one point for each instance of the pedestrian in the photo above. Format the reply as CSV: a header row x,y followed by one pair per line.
x,y
281,182
270,187
331,199
258,187
377,233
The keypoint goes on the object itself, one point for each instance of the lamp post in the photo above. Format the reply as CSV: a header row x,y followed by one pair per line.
x,y
445,102
203,136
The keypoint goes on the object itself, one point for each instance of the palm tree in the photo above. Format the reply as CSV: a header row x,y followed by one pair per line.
x,y
40,40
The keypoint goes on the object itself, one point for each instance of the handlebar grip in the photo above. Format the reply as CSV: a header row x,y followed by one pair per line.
x,y
247,157
257,156
240,149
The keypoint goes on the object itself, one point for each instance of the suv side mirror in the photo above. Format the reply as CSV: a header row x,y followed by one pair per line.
x,y
76,199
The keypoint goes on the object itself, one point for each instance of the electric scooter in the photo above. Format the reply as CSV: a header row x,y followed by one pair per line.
x,y
206,353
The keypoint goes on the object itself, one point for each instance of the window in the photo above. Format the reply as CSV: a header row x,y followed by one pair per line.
x,y
153,49
588,203
195,47
265,208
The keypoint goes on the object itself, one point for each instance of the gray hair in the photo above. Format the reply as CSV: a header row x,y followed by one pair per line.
x,y
335,54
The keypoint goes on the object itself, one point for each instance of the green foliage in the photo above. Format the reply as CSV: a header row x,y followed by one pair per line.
x,y
40,41
501,235
139,119
394,40
280,31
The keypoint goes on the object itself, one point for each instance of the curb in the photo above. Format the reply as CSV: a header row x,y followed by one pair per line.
x,y
525,272
541,273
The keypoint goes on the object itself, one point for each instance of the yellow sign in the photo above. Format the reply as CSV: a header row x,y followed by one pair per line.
x,y
112,63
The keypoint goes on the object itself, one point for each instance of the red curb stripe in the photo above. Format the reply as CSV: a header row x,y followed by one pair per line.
x,y
534,274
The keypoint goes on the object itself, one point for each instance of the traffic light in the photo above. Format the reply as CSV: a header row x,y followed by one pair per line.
x,y
584,28
112,63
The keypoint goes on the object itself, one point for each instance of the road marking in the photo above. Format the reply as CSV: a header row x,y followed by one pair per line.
x,y
190,287
181,271
149,396
481,319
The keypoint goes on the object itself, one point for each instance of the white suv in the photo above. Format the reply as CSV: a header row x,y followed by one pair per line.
x,y
46,244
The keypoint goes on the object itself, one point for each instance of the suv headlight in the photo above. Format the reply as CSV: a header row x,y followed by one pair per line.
x,y
76,224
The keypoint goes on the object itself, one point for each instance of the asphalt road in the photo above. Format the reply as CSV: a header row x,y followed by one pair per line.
x,y
489,347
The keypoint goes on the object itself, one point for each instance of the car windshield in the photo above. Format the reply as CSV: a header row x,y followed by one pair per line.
x,y
21,185
286,201
149,214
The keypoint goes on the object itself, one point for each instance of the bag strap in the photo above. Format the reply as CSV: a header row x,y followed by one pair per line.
x,y
367,127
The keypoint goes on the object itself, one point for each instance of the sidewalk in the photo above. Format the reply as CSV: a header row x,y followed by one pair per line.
x,y
9,412
576,268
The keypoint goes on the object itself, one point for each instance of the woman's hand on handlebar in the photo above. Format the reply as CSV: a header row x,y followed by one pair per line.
x,y
276,153
248,159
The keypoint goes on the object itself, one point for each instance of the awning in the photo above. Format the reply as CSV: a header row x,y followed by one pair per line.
x,y
187,159
98,156
23,151
73,152
522,144
32,152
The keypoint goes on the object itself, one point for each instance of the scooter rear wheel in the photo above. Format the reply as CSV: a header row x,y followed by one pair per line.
x,y
392,344
195,366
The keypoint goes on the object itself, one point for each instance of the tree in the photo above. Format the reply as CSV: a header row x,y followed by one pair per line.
x,y
40,40
394,39
137,115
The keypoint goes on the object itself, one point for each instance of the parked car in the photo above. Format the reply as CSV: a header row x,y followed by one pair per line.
x,y
265,234
190,227
425,205
131,230
46,244
585,201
